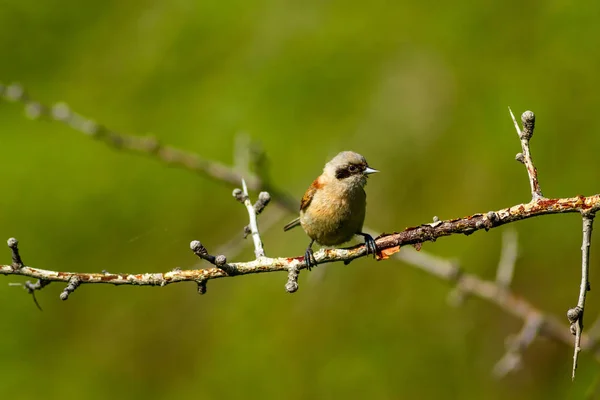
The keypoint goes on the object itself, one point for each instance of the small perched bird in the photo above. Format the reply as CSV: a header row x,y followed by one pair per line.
x,y
332,210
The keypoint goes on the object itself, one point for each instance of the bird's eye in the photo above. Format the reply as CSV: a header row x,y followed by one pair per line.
x,y
352,168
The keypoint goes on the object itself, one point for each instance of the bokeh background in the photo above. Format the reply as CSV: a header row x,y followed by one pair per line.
x,y
421,89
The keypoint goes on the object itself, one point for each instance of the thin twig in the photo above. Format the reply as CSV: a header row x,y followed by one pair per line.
x,y
241,153
515,346
146,146
517,306
528,120
575,315
258,246
508,258
31,288
236,245
13,245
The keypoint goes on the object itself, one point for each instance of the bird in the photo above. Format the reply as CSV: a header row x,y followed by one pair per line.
x,y
332,210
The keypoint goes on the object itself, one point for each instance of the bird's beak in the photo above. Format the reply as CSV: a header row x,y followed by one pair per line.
x,y
369,171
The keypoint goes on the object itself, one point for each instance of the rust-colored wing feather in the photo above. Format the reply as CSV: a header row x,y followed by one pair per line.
x,y
310,193
306,199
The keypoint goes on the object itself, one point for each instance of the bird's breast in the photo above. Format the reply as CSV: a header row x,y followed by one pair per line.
x,y
331,219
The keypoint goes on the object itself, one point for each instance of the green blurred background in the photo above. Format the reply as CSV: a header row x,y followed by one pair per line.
x,y
420,88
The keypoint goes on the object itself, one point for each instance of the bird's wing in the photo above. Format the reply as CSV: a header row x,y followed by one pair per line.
x,y
310,193
306,199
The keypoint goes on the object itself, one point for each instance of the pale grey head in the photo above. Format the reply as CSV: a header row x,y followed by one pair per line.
x,y
349,167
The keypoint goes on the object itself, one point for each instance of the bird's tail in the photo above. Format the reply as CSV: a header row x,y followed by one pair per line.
x,y
292,224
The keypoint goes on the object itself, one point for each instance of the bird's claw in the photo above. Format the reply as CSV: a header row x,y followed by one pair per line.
x,y
370,244
309,259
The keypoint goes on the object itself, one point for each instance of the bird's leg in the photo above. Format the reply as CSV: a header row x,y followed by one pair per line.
x,y
370,243
309,257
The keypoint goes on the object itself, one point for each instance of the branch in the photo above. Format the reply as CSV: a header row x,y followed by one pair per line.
x,y
528,120
512,359
253,210
536,322
148,146
508,258
387,244
575,315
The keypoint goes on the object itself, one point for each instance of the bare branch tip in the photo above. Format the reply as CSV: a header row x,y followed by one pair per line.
x,y
197,247
265,197
511,114
528,117
220,260
291,285
263,200
13,244
74,283
201,286
238,194
528,120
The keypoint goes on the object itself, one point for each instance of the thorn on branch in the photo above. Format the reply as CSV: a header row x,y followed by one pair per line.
x,y
292,283
13,244
74,283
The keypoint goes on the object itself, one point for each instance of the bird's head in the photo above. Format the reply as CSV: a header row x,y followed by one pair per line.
x,y
349,169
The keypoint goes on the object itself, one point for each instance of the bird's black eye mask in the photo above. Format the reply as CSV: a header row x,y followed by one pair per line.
x,y
349,170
